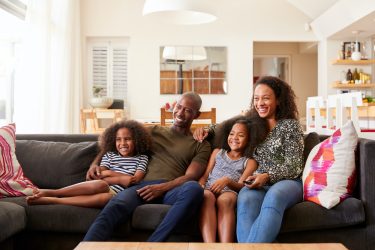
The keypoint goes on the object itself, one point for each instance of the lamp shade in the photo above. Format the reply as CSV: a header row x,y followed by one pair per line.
x,y
180,11
184,53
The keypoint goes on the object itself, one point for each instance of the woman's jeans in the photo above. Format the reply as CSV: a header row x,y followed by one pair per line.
x,y
185,200
260,211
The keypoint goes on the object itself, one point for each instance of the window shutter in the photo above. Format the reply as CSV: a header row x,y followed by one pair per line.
x,y
119,72
100,68
109,66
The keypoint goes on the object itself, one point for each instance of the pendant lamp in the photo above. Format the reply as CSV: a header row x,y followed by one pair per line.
x,y
182,53
183,12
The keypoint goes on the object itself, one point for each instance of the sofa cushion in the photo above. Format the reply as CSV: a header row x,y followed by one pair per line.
x,y
310,141
308,215
330,174
148,216
12,179
12,219
55,164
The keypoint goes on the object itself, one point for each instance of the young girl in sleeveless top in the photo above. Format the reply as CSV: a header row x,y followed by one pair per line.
x,y
229,165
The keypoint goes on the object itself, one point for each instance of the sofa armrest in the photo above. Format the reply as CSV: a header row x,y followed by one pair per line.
x,y
366,161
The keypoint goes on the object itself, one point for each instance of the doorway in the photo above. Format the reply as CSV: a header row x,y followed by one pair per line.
x,y
294,62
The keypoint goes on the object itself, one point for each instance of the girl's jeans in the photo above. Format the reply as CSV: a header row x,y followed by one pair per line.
x,y
260,211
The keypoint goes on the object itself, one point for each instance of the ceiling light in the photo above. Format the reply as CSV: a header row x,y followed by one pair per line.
x,y
180,11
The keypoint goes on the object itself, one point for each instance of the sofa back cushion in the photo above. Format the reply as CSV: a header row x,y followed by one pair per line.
x,y
55,164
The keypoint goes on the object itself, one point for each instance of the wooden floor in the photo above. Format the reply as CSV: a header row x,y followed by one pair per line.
x,y
205,246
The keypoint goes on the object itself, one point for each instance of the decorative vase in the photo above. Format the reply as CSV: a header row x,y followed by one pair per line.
x,y
101,102
356,55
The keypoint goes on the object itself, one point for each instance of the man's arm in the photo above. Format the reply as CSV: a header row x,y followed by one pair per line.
x,y
193,172
94,171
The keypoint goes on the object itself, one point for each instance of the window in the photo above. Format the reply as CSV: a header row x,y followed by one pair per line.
x,y
108,66
12,14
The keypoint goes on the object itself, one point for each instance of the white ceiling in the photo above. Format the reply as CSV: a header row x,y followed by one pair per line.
x,y
312,8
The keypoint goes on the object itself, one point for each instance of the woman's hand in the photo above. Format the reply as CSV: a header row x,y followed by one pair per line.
x,y
258,180
200,134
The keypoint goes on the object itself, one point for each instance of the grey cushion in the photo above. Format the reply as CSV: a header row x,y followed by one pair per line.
x,y
55,164
149,216
310,216
12,219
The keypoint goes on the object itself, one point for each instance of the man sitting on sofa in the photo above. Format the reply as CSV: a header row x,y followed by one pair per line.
x,y
177,162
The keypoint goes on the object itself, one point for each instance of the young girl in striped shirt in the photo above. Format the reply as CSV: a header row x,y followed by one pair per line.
x,y
124,163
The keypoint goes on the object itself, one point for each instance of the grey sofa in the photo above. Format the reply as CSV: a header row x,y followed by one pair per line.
x,y
53,161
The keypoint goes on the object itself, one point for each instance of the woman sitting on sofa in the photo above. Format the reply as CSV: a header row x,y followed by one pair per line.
x,y
126,144
277,181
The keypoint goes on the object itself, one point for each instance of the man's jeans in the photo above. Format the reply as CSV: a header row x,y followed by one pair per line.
x,y
185,200
260,211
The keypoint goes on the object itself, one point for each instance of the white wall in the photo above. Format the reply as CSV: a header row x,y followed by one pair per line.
x,y
239,24
303,67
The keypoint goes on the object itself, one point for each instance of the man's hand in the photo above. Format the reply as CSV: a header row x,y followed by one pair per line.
x,y
93,173
151,192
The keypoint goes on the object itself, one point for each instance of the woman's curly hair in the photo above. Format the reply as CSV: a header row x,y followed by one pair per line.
x,y
287,107
142,138
257,129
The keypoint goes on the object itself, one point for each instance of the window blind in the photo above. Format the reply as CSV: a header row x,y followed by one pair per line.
x,y
109,68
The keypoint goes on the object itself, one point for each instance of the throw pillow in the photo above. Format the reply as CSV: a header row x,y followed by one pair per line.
x,y
12,180
329,175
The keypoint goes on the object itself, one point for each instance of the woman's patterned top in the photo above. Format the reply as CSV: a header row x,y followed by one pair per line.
x,y
281,154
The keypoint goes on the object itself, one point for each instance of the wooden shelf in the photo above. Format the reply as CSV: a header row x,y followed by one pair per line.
x,y
337,85
351,62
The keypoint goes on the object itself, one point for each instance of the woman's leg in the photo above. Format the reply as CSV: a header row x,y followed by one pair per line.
x,y
226,205
279,197
82,188
207,220
94,200
249,203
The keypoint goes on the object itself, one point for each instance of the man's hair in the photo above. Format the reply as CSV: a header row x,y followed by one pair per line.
x,y
195,97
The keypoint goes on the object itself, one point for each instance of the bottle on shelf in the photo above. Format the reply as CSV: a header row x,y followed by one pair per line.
x,y
349,76
356,76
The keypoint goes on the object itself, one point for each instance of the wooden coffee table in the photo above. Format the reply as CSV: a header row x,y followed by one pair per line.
x,y
205,246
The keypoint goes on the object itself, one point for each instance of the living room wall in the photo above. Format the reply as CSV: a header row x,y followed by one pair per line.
x,y
237,27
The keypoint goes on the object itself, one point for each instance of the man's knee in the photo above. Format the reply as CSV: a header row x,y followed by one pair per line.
x,y
193,188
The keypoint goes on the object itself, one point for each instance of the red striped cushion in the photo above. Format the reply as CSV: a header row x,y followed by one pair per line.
x,y
12,180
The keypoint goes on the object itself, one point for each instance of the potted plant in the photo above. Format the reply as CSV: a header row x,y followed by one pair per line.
x,y
98,100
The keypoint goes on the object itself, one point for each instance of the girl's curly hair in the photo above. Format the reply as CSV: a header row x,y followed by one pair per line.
x,y
257,129
287,107
141,137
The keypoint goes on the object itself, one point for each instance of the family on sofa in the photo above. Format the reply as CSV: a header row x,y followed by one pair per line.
x,y
273,177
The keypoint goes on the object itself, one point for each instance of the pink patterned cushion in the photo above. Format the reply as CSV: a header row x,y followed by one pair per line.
x,y
12,180
329,175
